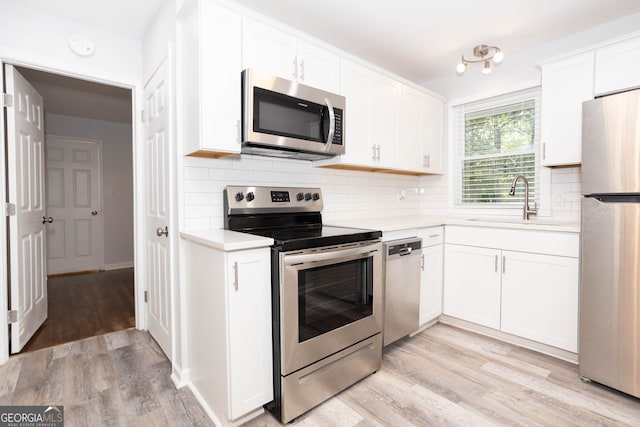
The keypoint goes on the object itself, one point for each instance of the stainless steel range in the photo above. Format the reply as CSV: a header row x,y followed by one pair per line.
x,y
326,294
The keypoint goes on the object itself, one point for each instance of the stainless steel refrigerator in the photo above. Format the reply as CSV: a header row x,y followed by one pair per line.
x,y
609,346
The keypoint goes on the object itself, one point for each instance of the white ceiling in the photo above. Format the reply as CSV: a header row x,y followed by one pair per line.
x,y
424,39
418,39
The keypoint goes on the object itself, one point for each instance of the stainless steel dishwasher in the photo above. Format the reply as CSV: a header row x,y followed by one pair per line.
x,y
402,264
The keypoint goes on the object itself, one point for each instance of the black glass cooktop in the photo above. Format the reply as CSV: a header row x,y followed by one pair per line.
x,y
291,239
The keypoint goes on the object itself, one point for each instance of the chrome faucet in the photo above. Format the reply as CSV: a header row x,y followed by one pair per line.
x,y
526,211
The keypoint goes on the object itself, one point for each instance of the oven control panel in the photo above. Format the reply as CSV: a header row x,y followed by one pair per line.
x,y
251,199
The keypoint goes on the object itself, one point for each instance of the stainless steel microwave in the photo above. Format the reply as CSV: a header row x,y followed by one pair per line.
x,y
282,118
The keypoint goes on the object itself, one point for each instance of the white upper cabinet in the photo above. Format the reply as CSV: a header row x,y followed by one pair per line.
x,y
566,84
421,141
209,50
618,67
385,120
371,119
390,126
277,52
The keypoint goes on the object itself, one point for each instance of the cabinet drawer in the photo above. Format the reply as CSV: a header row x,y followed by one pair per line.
x,y
431,236
533,241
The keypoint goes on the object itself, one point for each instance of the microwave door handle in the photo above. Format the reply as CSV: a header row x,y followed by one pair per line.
x,y
332,125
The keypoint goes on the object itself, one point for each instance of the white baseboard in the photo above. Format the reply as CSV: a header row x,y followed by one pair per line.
x,y
511,339
118,265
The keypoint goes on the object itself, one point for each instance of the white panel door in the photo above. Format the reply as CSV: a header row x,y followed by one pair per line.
x,y
157,209
74,235
25,167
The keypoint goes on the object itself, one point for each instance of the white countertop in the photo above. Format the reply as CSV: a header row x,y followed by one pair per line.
x,y
409,222
227,240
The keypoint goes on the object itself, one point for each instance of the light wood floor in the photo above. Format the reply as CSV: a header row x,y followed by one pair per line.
x,y
117,379
441,377
445,376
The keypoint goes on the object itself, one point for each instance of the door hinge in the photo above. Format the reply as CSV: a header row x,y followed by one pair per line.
x,y
142,116
146,294
7,100
10,209
12,316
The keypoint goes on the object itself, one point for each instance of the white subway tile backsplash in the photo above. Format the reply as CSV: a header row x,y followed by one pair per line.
x,y
347,194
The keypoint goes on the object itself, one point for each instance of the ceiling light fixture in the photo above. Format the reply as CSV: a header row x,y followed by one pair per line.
x,y
486,55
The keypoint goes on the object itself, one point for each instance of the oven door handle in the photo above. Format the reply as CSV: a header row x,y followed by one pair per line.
x,y
354,253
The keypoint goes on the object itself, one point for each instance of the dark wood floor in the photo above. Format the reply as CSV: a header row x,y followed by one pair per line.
x,y
86,305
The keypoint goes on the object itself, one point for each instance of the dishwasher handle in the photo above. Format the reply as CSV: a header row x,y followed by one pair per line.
x,y
402,247
405,251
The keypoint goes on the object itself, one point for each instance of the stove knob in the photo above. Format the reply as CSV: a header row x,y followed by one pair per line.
x,y
307,196
316,196
299,197
250,196
239,196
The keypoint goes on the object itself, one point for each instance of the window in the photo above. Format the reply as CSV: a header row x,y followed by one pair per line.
x,y
496,139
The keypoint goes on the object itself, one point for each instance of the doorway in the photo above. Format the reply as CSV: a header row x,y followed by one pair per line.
x,y
89,214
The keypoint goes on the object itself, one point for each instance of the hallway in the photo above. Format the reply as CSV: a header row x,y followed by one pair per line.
x,y
85,305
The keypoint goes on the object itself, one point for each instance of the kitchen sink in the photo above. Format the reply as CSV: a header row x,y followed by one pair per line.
x,y
547,222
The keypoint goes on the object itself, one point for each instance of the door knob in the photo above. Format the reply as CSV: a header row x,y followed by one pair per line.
x,y
47,220
94,213
160,231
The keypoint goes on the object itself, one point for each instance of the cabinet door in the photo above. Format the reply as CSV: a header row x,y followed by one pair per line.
x,y
421,132
431,283
472,290
540,298
249,332
565,85
385,119
356,86
318,67
220,79
412,127
617,67
269,50
432,147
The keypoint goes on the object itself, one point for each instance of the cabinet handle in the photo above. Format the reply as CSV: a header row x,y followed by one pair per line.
x,y
422,262
544,150
495,267
235,275
302,70
295,68
238,132
373,152
504,264
432,236
378,157
427,161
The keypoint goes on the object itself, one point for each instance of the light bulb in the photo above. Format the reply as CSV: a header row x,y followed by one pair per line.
x,y
498,57
461,67
487,68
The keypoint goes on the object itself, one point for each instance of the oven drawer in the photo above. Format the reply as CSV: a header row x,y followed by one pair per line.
x,y
316,383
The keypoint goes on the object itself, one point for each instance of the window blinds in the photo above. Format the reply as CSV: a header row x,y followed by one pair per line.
x,y
495,140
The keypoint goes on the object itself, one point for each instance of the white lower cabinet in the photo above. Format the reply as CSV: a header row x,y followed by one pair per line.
x,y
523,292
472,284
228,316
540,298
431,277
